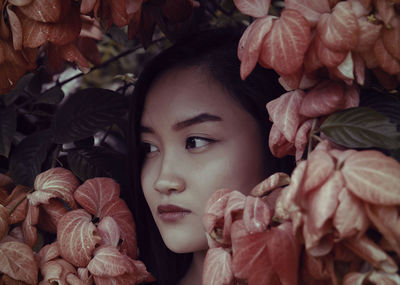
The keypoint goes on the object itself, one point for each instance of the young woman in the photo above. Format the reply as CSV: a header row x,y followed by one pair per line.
x,y
195,127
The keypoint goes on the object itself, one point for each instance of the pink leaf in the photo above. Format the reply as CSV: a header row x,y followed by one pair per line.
x,y
302,137
94,193
278,144
252,43
385,60
58,271
285,45
273,182
87,6
43,10
359,71
391,38
385,11
108,231
77,237
29,225
217,267
372,253
351,96
327,56
256,215
3,221
350,218
373,177
50,214
48,252
119,211
284,112
254,8
339,30
55,182
109,262
17,201
18,262
320,166
323,99
234,207
310,9
369,34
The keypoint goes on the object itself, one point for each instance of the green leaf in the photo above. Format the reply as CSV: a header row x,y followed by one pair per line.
x,y
8,126
27,158
52,96
361,127
97,161
86,112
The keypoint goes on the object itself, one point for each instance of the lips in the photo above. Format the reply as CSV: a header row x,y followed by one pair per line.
x,y
171,213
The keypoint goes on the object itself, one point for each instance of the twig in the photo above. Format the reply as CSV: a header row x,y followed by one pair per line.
x,y
107,62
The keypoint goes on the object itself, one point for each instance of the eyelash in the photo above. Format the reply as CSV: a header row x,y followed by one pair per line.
x,y
190,140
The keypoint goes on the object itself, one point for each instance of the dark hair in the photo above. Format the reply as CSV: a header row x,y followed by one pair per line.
x,y
216,51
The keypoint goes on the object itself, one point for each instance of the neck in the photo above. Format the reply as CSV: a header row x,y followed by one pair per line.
x,y
195,272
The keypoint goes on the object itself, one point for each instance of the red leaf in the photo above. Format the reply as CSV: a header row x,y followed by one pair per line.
x,y
254,8
310,9
324,99
339,30
72,54
109,262
55,182
285,45
3,221
174,10
77,237
87,6
284,112
119,211
18,262
43,10
217,267
94,193
119,13
250,44
373,177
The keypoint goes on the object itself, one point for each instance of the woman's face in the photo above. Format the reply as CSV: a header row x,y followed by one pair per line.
x,y
197,140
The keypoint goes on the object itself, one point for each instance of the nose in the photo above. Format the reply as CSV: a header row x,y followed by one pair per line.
x,y
170,179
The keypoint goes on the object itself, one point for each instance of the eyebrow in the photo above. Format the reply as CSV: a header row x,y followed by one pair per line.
x,y
202,118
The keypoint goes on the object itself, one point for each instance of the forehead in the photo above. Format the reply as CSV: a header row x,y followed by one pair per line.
x,y
182,92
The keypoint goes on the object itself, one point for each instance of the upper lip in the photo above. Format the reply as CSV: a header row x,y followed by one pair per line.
x,y
169,208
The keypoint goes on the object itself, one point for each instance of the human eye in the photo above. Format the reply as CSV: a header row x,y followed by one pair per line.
x,y
149,149
197,142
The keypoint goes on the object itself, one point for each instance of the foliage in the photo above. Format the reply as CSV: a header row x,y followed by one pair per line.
x,y
339,62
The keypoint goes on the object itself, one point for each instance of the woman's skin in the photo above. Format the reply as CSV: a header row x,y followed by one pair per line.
x,y
198,139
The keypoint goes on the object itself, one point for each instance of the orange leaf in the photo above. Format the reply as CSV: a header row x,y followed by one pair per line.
x,y
285,45
373,177
18,262
16,28
67,30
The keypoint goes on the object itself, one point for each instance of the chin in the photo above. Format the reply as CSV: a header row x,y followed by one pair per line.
x,y
185,246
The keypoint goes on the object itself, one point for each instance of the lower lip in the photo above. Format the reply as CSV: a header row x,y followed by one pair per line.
x,y
171,217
